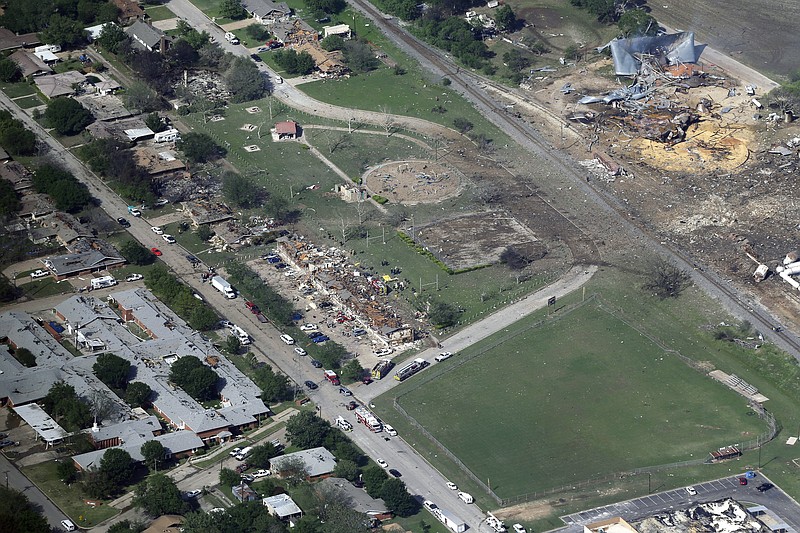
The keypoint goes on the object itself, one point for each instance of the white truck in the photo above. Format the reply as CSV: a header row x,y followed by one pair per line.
x,y
240,334
244,454
105,281
231,38
219,283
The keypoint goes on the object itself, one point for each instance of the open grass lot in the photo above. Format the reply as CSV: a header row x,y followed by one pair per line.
x,y
15,90
44,287
28,102
583,396
157,13
71,501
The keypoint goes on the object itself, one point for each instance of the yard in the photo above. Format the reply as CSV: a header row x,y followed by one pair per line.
x,y
72,501
156,13
583,396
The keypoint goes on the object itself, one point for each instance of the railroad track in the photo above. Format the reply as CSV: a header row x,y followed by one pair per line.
x,y
471,83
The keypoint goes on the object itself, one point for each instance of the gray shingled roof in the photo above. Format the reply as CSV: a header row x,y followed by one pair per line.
x,y
318,461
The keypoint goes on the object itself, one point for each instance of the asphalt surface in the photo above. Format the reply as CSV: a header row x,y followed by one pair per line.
x,y
728,487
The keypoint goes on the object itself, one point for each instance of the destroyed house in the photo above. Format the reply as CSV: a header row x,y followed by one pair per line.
x,y
267,11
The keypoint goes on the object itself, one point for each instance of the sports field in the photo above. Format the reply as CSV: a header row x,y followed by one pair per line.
x,y
580,397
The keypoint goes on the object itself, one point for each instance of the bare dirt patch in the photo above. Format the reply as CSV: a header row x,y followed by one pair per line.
x,y
477,239
413,182
526,512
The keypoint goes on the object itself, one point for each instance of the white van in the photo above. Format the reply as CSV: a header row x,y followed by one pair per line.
x,y
68,525
287,339
344,424
466,498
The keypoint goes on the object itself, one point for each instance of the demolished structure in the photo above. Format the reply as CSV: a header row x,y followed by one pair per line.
x,y
673,49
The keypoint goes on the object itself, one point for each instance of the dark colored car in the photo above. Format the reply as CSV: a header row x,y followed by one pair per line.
x,y
320,339
316,364
315,334
256,58
192,259
764,487
242,467
124,222
395,473
352,405
311,385
358,484
742,481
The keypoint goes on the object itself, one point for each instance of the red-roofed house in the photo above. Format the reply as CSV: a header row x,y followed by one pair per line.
x,y
287,130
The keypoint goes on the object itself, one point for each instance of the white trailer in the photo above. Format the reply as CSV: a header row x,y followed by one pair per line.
x,y
168,136
450,520
219,283
105,281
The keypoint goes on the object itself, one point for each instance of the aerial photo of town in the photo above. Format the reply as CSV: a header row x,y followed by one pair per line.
x,y
339,266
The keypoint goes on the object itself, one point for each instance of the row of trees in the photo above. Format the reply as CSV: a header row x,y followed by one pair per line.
x,y
59,22
64,189
179,296
14,137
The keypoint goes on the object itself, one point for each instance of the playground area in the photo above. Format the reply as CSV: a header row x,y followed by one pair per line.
x,y
413,182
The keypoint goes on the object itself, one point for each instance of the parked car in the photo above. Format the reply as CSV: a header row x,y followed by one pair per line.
x,y
157,230
7,442
169,238
692,491
123,222
429,505
452,486
308,327
316,364
345,391
352,405
242,467
395,473
256,58
442,356
194,493
300,351
258,474
247,478
192,259
357,332
320,339
68,525
519,528
234,451
764,487
382,463
39,274
358,484
390,430
311,385
156,252
134,277
742,481
314,334
384,351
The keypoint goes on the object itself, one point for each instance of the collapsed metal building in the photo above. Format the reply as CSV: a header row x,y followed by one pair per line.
x,y
672,49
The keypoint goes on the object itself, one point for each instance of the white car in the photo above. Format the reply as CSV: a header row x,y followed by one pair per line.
x,y
444,355
234,451
39,274
429,505
258,474
135,212
692,491
300,351
134,277
384,351
308,327
169,238
390,430
216,510
452,486
157,230
382,463
68,525
194,493
518,528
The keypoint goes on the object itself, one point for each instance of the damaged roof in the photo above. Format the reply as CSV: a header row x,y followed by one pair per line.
x,y
673,48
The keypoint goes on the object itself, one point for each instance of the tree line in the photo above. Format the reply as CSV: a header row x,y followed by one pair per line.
x,y
179,297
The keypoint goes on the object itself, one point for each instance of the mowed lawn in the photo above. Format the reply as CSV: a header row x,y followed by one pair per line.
x,y
577,398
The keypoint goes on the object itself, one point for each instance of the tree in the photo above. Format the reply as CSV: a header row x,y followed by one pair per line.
x,y
112,370
111,38
21,16
636,23
359,57
14,137
505,18
294,63
233,345
141,98
665,280
199,147
136,254
443,315
241,191
63,31
158,495
182,54
117,465
515,61
26,357
232,9
18,514
62,403
126,526
346,469
204,232
154,454
138,394
307,430
66,471
397,498
332,42
258,32
198,380
462,125
201,317
245,81
293,471
228,478
9,70
67,116
261,455
274,385
9,201
97,485
352,371
374,477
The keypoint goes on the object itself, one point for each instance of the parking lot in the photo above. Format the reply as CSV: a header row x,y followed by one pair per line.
x,y
774,499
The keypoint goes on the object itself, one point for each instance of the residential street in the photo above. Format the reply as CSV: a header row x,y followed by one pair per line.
x,y
16,479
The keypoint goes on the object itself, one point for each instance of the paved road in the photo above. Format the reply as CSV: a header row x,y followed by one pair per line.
x,y
728,487
17,480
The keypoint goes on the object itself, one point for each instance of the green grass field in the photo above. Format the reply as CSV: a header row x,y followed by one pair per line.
x,y
157,13
15,90
577,398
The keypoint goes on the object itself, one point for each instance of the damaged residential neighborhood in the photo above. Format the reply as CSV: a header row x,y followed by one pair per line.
x,y
332,266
